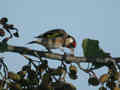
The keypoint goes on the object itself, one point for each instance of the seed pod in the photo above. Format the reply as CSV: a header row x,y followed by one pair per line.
x,y
58,71
73,69
26,68
22,73
16,34
110,84
104,78
61,85
13,76
117,75
116,88
2,32
3,20
93,81
32,74
102,88
72,76
40,68
46,78
61,70
14,86
17,86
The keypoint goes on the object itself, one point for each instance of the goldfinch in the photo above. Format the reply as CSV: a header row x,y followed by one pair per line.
x,y
56,38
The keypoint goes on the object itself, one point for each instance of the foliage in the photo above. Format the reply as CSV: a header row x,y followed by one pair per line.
x,y
91,49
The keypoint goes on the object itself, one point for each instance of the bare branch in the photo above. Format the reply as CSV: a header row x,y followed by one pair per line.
x,y
53,56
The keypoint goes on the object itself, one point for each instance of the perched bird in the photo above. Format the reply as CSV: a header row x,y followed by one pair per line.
x,y
56,38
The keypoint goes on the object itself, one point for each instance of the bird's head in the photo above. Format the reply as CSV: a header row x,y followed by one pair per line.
x,y
70,42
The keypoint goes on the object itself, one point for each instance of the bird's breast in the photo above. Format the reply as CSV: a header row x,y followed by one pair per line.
x,y
54,43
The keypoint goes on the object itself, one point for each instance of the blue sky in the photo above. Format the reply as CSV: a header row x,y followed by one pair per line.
x,y
96,19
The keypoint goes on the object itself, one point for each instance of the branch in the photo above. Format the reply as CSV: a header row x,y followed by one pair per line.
x,y
53,56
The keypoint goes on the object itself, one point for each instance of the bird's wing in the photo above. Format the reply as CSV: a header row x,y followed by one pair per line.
x,y
53,34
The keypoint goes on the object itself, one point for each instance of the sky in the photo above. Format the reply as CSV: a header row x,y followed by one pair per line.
x,y
95,19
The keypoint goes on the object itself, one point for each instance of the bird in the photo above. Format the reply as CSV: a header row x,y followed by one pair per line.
x,y
54,39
